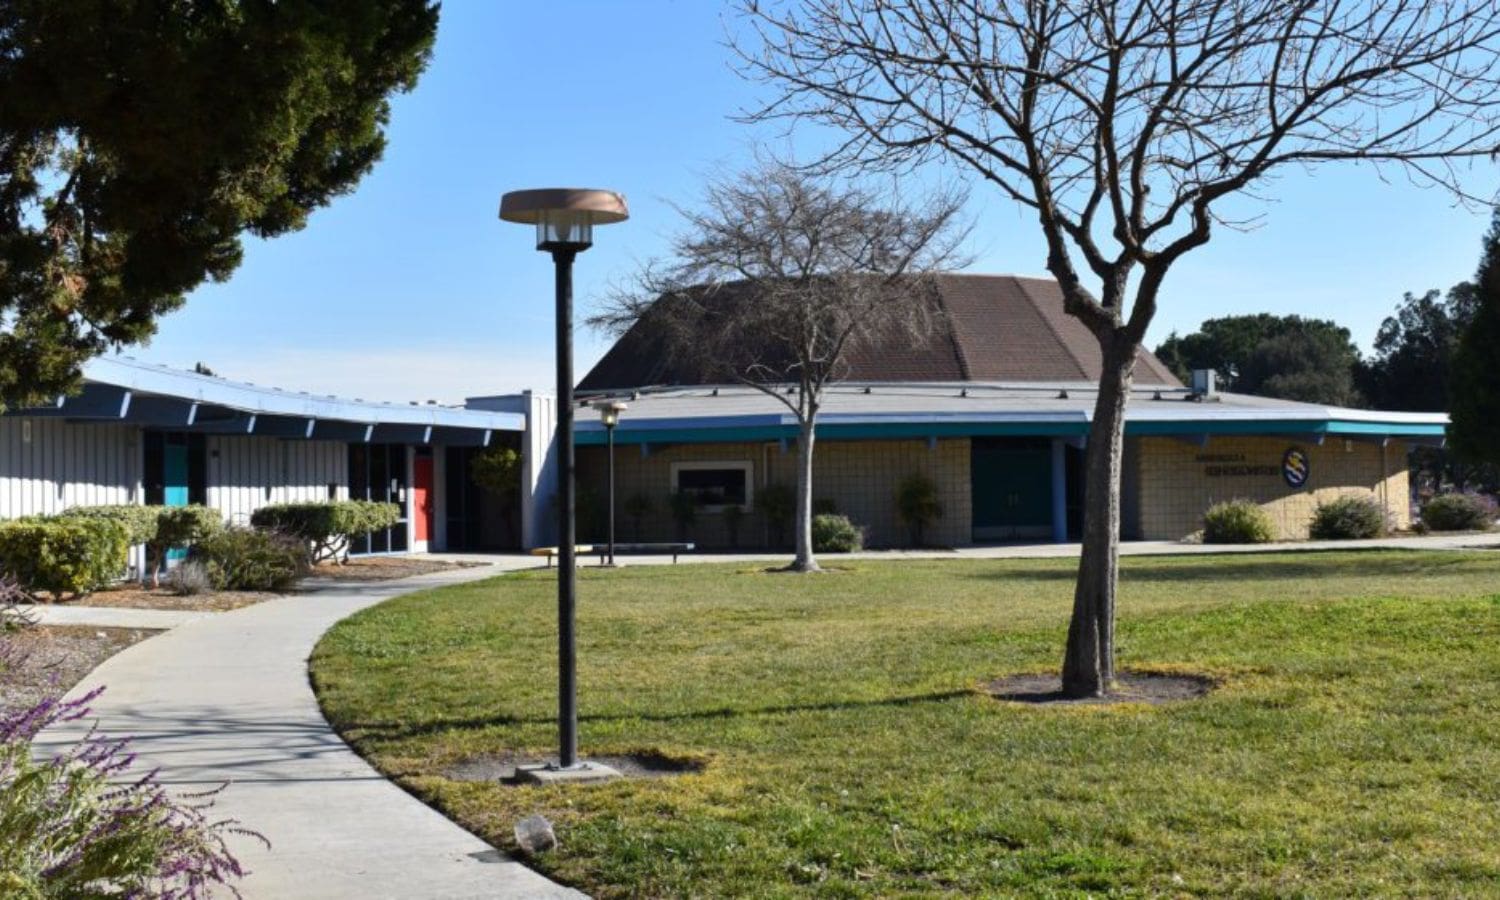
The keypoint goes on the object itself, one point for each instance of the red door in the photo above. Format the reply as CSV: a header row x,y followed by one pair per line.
x,y
421,497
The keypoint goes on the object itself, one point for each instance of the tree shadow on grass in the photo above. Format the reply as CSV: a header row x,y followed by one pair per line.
x,y
393,731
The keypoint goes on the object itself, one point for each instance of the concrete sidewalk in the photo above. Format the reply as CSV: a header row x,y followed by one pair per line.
x,y
115,616
225,697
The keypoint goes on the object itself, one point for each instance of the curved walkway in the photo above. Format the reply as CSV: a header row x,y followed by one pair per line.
x,y
225,697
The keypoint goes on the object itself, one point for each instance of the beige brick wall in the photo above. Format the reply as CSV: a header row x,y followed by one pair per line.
x,y
860,477
1175,487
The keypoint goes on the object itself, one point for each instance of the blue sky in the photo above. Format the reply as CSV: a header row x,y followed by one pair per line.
x,y
411,288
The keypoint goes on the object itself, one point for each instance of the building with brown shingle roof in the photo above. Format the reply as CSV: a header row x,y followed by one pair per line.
x,y
998,328
993,412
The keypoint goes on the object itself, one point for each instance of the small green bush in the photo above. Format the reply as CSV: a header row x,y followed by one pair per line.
x,y
248,559
139,521
1346,518
184,526
917,504
1237,522
836,534
1459,512
63,554
777,502
327,526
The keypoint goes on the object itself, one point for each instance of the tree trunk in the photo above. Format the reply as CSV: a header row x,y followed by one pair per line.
x,y
805,561
1089,661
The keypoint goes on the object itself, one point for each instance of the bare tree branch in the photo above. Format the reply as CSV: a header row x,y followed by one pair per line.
x,y
778,274
1126,126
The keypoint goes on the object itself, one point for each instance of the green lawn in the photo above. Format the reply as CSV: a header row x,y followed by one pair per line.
x,y
1352,748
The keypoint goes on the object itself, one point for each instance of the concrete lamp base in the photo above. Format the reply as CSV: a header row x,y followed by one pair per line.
x,y
582,772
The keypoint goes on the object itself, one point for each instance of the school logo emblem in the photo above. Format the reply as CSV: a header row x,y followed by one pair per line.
x,y
1295,468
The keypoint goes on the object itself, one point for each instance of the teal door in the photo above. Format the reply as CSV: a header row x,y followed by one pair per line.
x,y
174,466
1011,485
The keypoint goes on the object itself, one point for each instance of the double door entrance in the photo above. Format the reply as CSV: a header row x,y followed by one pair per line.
x,y
1011,484
378,472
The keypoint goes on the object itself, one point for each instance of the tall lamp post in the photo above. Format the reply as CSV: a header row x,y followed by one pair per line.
x,y
565,220
609,414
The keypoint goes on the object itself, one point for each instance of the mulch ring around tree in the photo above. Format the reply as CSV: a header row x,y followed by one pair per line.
x,y
1153,688
501,767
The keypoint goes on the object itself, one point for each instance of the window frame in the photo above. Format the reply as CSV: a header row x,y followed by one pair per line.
x,y
742,465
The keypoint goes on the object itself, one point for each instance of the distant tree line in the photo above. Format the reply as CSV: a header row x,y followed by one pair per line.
x,y
1438,352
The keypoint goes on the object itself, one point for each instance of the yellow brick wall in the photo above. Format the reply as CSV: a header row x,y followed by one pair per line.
x,y
860,477
1175,487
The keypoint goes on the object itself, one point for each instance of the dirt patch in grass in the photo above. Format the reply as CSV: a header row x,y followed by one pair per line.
x,y
1154,688
46,660
136,597
386,568
501,767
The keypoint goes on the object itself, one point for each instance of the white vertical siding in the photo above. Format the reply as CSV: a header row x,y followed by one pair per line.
x,y
65,465
247,472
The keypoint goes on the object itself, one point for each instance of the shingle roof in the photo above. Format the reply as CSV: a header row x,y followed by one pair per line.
x,y
1001,328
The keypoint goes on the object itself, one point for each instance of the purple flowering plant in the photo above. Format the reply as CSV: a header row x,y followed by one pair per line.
x,y
83,825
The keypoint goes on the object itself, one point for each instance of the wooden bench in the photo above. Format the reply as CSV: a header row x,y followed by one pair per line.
x,y
602,550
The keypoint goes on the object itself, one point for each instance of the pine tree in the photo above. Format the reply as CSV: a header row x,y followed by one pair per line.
x,y
139,141
1475,385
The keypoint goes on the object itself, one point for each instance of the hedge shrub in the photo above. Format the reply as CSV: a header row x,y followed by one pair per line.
x,y
1459,512
327,526
139,521
836,534
183,526
1350,517
63,554
247,559
1237,522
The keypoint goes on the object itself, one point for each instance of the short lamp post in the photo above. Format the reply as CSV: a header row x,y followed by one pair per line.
x,y
609,414
565,220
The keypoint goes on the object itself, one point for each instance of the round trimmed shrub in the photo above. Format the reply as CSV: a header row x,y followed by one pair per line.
x,y
1459,512
836,534
1348,518
328,526
1237,522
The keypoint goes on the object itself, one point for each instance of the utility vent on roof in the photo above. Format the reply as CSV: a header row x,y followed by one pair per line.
x,y
1205,383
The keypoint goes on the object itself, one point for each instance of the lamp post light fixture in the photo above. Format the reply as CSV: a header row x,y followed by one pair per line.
x,y
565,220
609,414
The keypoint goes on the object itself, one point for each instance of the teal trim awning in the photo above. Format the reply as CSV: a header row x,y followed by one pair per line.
x,y
773,428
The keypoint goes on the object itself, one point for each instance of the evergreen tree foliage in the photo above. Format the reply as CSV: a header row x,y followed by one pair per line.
x,y
1312,360
139,139
1414,350
1475,378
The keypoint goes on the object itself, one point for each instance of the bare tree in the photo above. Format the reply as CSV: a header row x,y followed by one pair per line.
x,y
777,276
1131,128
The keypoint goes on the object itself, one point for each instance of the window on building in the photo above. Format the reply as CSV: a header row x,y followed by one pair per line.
x,y
715,485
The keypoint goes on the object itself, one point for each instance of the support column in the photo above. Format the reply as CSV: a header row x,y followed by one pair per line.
x,y
1059,491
